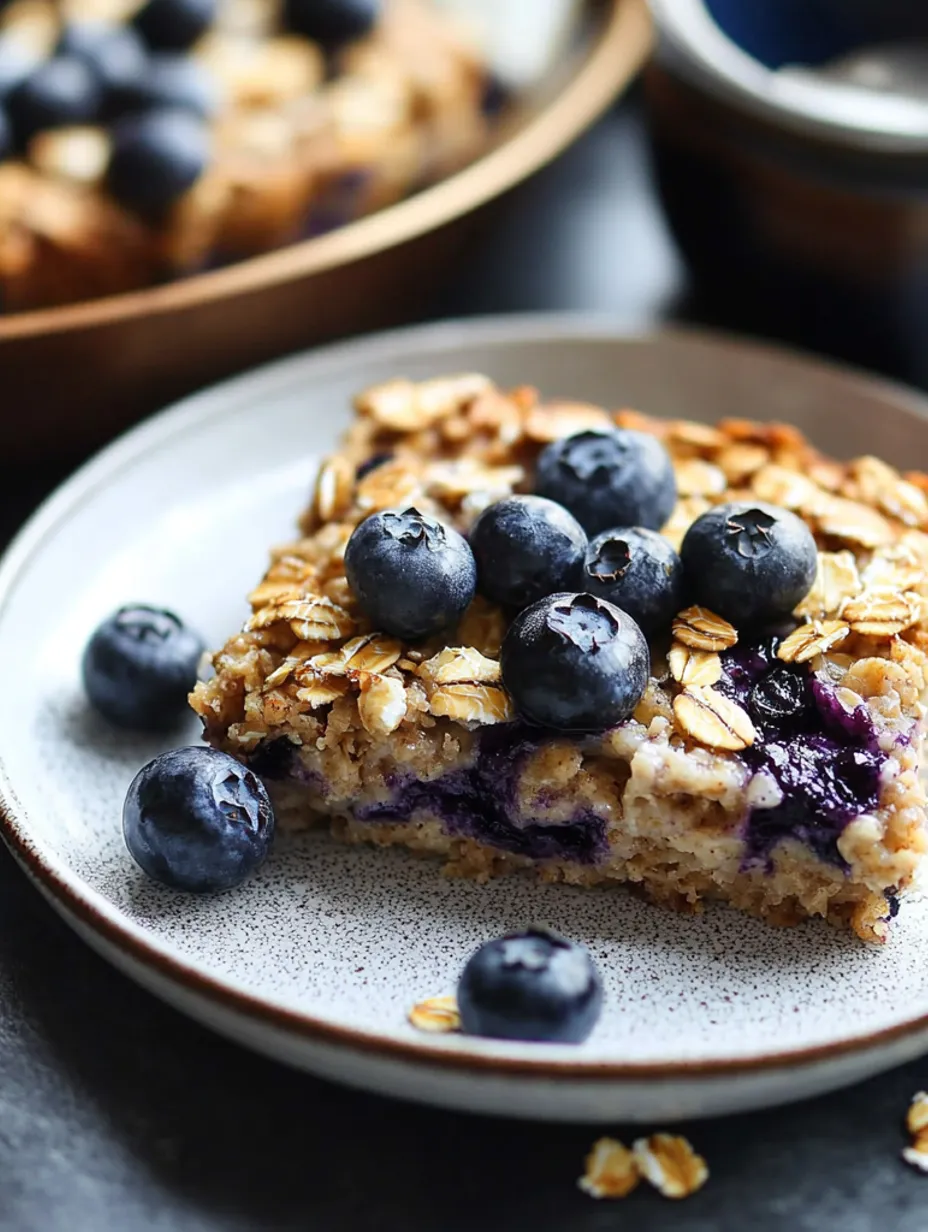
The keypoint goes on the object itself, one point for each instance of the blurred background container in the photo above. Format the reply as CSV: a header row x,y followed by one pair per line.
x,y
790,140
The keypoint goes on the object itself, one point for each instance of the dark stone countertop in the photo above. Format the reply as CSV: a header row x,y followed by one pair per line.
x,y
117,1113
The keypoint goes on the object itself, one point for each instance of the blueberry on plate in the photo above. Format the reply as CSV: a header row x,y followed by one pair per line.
x,y
749,561
609,478
196,819
411,575
174,81
115,54
15,65
526,547
157,156
59,93
331,22
638,571
174,25
575,663
531,985
139,666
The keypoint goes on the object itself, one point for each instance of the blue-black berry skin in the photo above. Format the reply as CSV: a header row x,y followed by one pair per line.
x,y
332,22
531,985
609,478
175,82
174,25
574,662
196,819
526,547
750,562
139,666
638,571
61,92
157,156
412,575
114,54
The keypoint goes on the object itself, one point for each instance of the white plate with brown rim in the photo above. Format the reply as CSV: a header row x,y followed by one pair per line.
x,y
317,959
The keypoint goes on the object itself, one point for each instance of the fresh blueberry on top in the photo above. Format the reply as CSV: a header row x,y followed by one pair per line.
x,y
526,547
139,666
411,575
60,92
749,562
575,663
196,819
115,54
609,478
531,985
157,156
174,25
174,81
638,571
331,22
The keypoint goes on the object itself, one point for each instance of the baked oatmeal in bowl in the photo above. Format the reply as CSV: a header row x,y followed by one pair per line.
x,y
606,647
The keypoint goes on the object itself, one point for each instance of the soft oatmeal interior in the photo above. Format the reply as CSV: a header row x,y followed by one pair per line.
x,y
348,724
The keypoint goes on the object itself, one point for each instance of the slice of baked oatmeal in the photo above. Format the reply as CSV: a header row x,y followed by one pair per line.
x,y
776,769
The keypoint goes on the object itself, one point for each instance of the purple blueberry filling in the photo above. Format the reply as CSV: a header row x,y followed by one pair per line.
x,y
825,760
480,802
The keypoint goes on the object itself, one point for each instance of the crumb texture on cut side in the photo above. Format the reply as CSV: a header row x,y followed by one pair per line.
x,y
418,745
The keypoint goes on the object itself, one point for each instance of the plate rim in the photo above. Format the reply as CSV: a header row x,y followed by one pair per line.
x,y
74,898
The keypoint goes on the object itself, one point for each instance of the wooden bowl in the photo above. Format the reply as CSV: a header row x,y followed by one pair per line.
x,y
73,376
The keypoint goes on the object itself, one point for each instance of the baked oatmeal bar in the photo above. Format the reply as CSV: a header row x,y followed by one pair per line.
x,y
814,813
142,140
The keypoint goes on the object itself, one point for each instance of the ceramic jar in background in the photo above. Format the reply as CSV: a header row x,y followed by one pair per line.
x,y
800,203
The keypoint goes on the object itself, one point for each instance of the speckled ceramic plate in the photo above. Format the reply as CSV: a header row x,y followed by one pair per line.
x,y
316,960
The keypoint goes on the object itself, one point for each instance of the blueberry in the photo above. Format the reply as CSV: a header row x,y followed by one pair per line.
x,y
778,695
114,54
139,666
526,547
331,22
174,81
195,819
6,135
60,92
638,571
157,156
531,985
749,562
411,575
174,25
574,662
15,65
609,478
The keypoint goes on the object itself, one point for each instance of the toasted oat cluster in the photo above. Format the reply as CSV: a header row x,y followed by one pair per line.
x,y
420,745
282,139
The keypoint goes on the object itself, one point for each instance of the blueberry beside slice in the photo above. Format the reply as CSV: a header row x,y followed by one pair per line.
x,y
174,81
575,663
139,666
195,819
609,478
114,54
526,547
638,571
412,575
749,561
531,985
